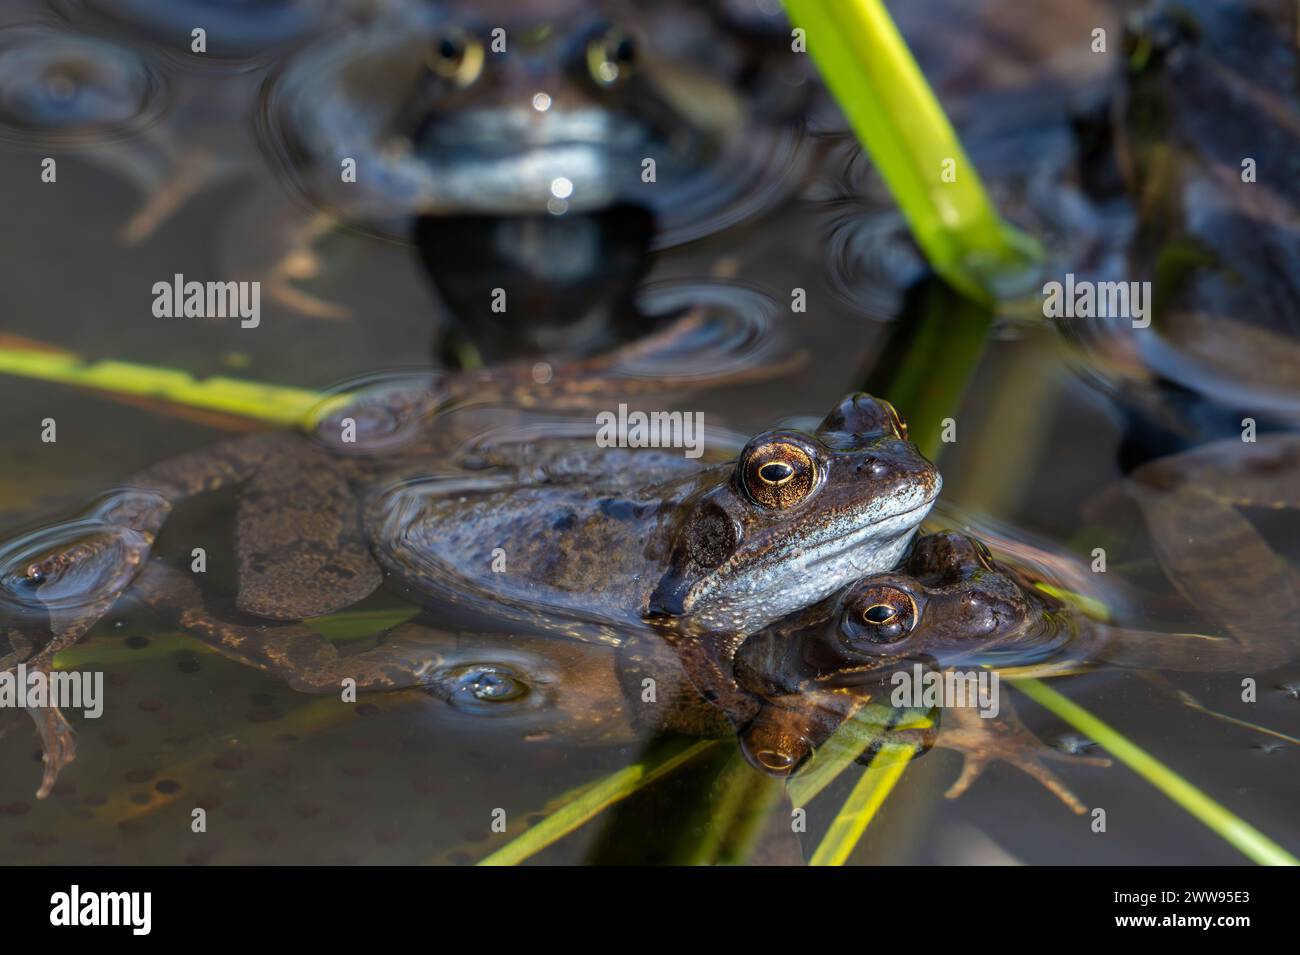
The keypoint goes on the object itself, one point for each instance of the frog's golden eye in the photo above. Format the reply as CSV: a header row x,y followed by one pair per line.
x,y
778,473
456,56
611,57
880,614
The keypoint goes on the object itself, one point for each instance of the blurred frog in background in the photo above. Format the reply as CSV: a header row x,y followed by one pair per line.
x,y
1206,130
504,111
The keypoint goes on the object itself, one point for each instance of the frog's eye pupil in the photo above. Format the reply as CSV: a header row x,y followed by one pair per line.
x,y
879,620
611,57
776,472
879,614
456,55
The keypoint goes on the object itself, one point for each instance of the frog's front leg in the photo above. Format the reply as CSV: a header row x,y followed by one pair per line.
x,y
981,741
302,262
708,661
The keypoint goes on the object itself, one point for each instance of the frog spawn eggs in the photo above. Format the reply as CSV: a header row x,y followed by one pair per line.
x,y
58,86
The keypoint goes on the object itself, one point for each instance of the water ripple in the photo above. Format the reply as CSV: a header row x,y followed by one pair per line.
x,y
59,86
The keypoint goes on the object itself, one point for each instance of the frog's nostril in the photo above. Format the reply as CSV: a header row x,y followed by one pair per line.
x,y
872,467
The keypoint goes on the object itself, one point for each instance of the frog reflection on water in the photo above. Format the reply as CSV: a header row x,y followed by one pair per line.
x,y
599,536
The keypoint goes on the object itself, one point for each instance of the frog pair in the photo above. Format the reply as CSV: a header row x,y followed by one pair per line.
x,y
602,540
779,581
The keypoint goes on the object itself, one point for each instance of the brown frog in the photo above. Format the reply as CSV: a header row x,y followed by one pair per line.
x,y
948,607
600,539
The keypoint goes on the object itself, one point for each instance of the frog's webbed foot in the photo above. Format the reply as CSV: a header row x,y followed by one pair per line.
x,y
982,741
298,261
58,743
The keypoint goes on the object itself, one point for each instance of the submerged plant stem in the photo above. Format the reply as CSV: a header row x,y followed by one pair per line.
x,y
1230,827
275,404
582,805
873,787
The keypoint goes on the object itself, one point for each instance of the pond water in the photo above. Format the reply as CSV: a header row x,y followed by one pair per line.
x,y
224,166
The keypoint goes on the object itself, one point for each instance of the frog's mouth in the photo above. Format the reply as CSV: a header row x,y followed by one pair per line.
x,y
505,130
795,575
511,160
847,544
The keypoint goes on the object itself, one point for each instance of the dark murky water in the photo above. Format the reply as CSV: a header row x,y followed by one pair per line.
x,y
227,166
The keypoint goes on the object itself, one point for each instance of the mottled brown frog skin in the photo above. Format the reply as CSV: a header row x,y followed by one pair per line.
x,y
714,549
668,540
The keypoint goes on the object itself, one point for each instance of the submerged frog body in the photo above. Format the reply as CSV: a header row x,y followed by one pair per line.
x,y
605,538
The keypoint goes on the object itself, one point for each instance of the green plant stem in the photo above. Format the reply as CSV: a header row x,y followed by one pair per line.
x,y
873,787
1220,820
872,74
584,804
275,404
